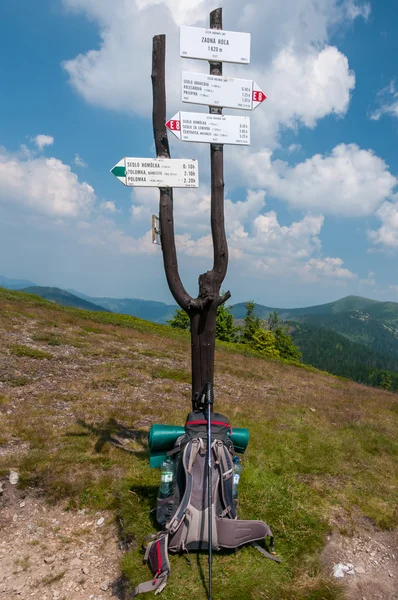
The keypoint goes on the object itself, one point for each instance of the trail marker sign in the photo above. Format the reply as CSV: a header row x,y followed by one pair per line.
x,y
213,129
157,172
213,90
214,44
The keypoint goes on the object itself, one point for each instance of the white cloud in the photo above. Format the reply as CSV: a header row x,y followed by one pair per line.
x,y
355,10
42,140
103,232
328,267
388,101
387,234
294,148
44,185
305,79
302,88
349,181
108,206
79,162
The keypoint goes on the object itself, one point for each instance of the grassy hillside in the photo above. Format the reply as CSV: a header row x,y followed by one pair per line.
x,y
62,297
79,391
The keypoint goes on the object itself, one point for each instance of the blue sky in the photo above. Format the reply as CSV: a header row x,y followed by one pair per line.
x,y
311,206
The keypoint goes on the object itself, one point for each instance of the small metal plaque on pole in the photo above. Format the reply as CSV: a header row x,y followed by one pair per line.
x,y
156,230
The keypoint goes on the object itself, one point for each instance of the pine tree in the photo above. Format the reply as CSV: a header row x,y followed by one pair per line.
x,y
284,342
264,342
180,320
225,328
252,323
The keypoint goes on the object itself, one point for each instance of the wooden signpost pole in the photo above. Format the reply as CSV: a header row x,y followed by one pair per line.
x,y
203,309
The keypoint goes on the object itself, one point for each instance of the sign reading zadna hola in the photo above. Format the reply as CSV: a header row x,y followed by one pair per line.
x,y
214,44
213,90
157,172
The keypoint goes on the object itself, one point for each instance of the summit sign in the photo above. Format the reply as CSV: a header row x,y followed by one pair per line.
x,y
214,45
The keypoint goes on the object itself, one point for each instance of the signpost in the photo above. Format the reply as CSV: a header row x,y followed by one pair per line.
x,y
213,90
213,129
215,44
157,172
216,91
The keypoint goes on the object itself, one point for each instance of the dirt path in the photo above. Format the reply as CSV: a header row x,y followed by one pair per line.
x,y
372,558
52,554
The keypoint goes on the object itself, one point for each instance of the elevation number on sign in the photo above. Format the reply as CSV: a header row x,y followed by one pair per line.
x,y
215,44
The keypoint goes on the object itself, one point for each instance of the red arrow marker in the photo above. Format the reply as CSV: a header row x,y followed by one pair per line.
x,y
173,125
259,96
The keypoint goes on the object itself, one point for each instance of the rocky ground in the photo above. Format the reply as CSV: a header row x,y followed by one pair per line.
x,y
367,563
49,553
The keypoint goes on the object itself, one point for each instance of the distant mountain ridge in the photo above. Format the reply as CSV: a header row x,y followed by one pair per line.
x,y
63,297
15,284
387,310
150,310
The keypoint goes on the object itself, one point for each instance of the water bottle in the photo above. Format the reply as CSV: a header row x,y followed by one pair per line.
x,y
237,474
167,470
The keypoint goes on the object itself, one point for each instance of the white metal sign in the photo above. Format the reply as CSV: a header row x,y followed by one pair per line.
x,y
214,44
156,230
214,129
157,172
213,90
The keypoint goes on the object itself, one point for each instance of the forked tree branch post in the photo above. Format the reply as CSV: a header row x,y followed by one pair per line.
x,y
203,309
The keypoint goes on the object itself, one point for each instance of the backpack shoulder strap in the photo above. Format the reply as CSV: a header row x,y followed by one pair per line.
x,y
156,555
223,458
190,453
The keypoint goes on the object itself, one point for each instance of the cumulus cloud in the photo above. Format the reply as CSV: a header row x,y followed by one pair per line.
x,y
387,234
42,140
44,185
305,78
108,206
388,102
103,232
349,181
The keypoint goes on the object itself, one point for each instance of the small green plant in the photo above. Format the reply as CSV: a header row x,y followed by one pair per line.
x,y
174,374
50,338
21,350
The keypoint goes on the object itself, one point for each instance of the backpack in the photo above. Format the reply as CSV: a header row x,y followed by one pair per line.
x,y
183,515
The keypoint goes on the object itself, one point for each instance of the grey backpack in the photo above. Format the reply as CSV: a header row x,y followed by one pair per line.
x,y
183,515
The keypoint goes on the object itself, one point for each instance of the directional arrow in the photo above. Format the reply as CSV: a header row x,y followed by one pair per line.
x,y
213,129
157,172
215,90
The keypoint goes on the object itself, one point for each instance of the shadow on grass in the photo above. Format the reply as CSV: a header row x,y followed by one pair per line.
x,y
114,433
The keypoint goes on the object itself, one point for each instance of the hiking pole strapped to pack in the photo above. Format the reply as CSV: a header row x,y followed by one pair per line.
x,y
209,399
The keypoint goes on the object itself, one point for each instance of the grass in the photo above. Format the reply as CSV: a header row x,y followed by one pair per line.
x,y
86,419
26,351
